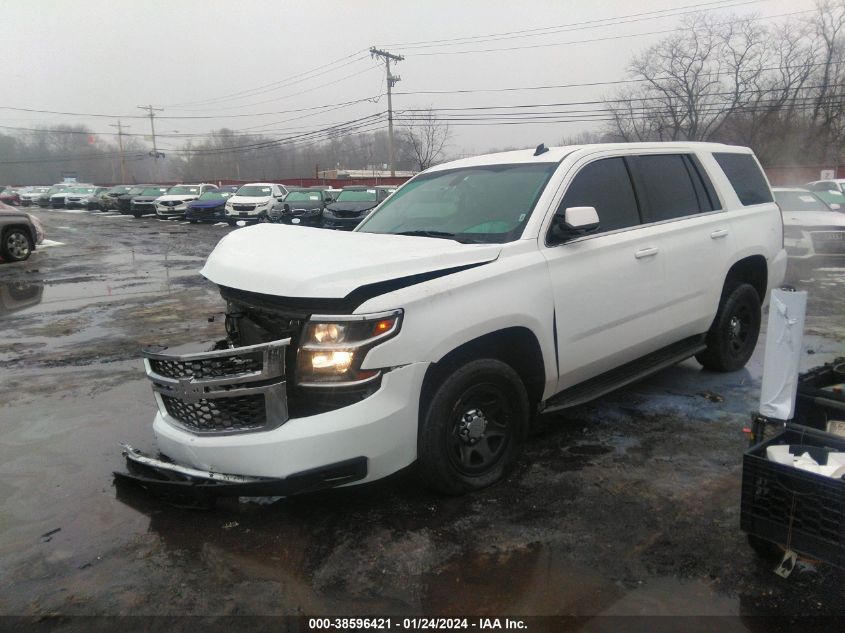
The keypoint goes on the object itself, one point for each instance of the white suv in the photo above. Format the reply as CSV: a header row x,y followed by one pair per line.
x,y
253,201
481,292
175,202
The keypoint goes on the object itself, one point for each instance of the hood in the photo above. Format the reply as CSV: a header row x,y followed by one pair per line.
x,y
814,218
365,205
61,194
296,261
250,199
207,204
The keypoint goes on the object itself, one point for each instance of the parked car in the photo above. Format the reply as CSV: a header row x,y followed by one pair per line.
x,y
352,205
253,202
109,200
144,202
10,196
124,200
482,292
29,197
210,206
175,202
59,199
45,198
80,197
811,229
301,206
20,233
836,184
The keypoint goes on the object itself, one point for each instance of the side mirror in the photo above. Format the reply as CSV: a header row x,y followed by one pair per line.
x,y
574,222
286,207
328,198
835,206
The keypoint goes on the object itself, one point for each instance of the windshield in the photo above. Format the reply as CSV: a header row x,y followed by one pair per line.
x,y
357,195
478,204
183,190
255,191
135,191
215,195
799,201
301,196
154,191
82,190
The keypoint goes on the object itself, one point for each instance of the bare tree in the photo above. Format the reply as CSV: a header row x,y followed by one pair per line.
x,y
426,137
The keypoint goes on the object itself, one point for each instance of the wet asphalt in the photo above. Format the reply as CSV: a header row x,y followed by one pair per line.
x,y
625,506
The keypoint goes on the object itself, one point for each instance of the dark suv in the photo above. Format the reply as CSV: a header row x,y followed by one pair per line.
x,y
352,205
301,206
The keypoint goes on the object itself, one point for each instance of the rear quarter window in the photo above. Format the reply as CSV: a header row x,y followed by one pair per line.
x,y
745,177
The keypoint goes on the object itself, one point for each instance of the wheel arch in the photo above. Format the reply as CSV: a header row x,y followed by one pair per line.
x,y
753,270
516,346
29,230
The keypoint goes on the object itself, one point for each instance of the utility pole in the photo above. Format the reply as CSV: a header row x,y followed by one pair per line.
x,y
120,144
391,81
152,112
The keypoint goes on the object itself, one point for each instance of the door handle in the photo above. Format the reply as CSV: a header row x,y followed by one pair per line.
x,y
719,233
651,251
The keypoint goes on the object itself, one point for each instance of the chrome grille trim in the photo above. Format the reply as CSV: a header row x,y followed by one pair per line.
x,y
196,396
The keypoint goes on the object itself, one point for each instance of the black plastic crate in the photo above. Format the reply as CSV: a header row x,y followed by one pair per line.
x,y
815,406
779,499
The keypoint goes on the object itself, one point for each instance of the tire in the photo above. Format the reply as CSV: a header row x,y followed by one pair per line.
x,y
16,245
193,221
136,215
472,432
232,222
733,335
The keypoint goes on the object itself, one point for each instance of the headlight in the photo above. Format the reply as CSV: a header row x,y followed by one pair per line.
x,y
332,349
83,201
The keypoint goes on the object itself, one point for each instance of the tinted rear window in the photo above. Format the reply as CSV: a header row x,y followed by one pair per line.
x,y
605,185
745,177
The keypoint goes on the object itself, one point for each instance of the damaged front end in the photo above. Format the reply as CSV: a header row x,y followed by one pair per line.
x,y
231,389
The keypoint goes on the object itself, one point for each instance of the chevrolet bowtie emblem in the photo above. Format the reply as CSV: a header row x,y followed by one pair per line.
x,y
188,391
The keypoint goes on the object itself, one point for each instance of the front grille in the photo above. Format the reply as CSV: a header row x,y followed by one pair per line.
x,y
170,203
348,214
830,242
209,367
243,207
231,390
246,413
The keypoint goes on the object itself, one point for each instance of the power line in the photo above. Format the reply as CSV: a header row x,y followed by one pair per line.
x,y
586,24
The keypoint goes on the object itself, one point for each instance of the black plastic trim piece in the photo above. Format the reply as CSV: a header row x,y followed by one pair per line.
x,y
170,484
303,307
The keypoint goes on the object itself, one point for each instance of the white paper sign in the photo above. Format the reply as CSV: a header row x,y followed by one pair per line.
x,y
783,353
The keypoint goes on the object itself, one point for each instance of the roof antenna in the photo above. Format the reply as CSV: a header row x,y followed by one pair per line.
x,y
541,149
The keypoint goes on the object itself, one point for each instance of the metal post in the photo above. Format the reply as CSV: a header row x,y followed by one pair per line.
x,y
391,81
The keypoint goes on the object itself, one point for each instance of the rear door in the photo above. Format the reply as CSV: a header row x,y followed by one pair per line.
x,y
693,236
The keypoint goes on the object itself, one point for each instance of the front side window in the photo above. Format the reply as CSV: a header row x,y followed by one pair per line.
x,y
745,177
488,203
605,185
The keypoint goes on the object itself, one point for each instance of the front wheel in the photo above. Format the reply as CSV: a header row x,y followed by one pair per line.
x,y
232,222
733,335
472,432
16,245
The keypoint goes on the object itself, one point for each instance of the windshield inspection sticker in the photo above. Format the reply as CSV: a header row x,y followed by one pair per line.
x,y
807,198
521,217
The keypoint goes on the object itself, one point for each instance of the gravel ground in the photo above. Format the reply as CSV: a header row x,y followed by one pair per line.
x,y
628,505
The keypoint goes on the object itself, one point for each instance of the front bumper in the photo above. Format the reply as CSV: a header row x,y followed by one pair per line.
x,y
169,212
172,480
381,427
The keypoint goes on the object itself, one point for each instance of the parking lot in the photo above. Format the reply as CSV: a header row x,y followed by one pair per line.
x,y
625,506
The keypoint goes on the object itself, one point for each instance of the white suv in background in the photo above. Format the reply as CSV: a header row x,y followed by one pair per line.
x,y
253,201
483,291
175,202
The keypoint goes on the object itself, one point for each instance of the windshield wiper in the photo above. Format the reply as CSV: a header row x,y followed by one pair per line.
x,y
425,233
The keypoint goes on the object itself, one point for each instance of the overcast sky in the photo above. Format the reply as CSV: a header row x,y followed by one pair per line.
x,y
109,56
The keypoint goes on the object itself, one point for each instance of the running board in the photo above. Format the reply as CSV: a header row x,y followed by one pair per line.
x,y
625,375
